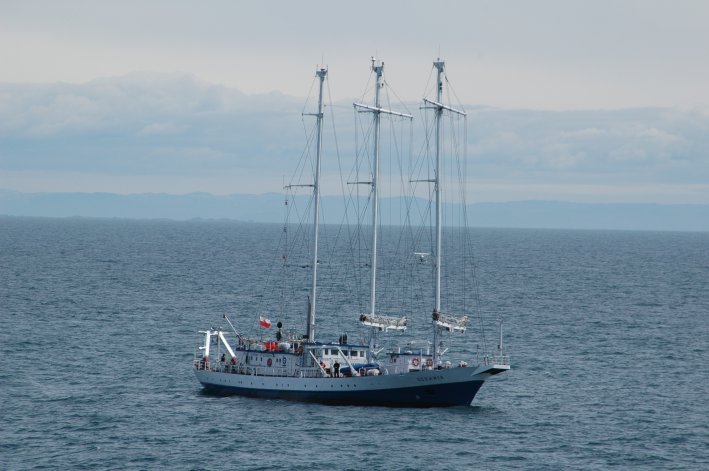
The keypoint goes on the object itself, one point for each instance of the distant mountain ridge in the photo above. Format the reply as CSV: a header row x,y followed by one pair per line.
x,y
268,207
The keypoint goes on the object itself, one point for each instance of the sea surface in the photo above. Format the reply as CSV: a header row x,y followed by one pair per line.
x,y
608,334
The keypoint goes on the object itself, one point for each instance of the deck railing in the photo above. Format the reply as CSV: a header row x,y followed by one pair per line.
x,y
314,372
497,360
219,367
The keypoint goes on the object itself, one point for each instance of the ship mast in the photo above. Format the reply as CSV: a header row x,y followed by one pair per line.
x,y
378,70
437,185
438,106
377,110
321,73
439,65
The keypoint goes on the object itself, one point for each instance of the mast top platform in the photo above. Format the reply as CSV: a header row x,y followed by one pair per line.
x,y
377,67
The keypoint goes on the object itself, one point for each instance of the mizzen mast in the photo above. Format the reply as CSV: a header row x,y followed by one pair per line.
x,y
321,74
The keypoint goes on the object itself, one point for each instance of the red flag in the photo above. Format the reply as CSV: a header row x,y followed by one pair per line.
x,y
264,322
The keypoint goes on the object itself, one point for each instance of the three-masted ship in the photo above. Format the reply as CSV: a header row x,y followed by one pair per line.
x,y
306,368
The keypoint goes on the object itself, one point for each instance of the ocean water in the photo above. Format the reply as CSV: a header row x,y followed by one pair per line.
x,y
608,334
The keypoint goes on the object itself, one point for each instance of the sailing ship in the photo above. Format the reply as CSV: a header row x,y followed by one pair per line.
x,y
305,368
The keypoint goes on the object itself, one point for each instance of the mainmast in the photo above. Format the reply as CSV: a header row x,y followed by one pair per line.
x,y
321,73
377,110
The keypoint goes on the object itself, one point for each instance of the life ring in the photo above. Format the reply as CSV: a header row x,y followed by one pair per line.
x,y
269,362
415,361
429,362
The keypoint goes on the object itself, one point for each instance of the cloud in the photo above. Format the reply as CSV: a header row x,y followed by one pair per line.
x,y
650,144
145,127
163,128
143,123
552,54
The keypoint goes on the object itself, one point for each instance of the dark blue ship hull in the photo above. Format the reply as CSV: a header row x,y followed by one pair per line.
x,y
430,395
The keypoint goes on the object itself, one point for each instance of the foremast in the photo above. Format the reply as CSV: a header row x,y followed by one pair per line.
x,y
439,65
439,322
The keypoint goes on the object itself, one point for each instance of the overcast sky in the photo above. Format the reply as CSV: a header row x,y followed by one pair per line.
x,y
546,57
543,54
